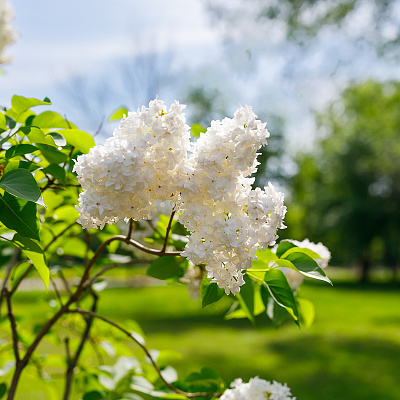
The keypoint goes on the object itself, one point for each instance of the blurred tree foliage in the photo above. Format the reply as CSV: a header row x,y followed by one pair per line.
x,y
302,20
346,192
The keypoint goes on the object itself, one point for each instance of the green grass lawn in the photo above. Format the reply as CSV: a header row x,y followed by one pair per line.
x,y
351,352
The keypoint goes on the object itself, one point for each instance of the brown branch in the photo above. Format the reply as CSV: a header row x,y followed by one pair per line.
x,y
74,361
22,277
60,273
146,351
8,273
167,231
13,326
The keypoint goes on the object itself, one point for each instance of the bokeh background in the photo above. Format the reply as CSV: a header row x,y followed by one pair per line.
x,y
325,75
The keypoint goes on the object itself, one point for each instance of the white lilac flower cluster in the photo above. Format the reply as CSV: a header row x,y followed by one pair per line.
x,y
8,34
228,221
257,389
293,277
141,163
150,157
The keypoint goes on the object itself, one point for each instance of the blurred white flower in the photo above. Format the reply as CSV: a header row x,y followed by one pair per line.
x,y
8,34
294,278
257,389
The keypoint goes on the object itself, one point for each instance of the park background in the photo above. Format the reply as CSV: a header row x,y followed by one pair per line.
x,y
325,77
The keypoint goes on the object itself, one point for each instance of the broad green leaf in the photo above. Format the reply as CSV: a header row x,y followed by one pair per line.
x,y
3,390
52,199
36,135
3,123
275,312
304,264
19,215
75,247
55,171
20,104
119,114
263,259
168,357
19,150
51,154
278,287
19,164
258,306
246,298
306,311
79,139
197,129
210,292
93,395
67,213
304,250
164,268
34,252
21,183
51,120
283,247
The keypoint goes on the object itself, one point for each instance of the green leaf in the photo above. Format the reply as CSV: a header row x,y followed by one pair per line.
x,y
34,252
51,120
275,312
36,135
79,139
56,171
19,150
21,183
3,389
306,311
304,264
19,215
263,259
3,123
20,106
283,247
51,154
14,164
197,129
304,250
278,287
93,395
164,268
210,292
246,298
119,114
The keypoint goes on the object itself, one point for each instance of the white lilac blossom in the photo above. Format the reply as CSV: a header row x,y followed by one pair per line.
x,y
139,165
8,34
257,389
294,278
227,220
150,158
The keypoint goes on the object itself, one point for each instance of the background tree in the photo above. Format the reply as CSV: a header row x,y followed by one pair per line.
x,y
346,189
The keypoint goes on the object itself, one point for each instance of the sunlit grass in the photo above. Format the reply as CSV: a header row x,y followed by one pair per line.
x,y
351,352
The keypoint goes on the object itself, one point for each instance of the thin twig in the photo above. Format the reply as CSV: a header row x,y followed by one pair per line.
x,y
8,273
115,265
67,350
58,236
13,325
53,283
167,231
129,235
62,276
146,351
22,277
